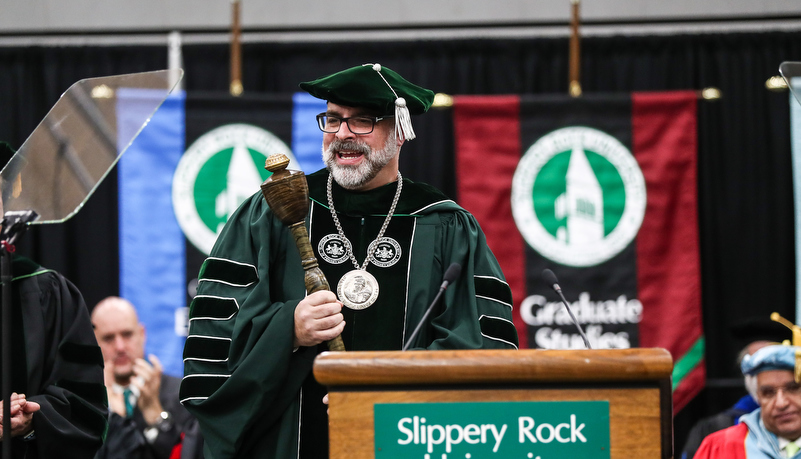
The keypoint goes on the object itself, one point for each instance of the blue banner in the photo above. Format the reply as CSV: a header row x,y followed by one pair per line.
x,y
152,246
307,139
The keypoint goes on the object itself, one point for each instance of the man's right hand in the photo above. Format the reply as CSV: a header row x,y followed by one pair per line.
x,y
318,318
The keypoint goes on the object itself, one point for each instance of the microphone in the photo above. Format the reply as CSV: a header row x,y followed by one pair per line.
x,y
451,274
550,280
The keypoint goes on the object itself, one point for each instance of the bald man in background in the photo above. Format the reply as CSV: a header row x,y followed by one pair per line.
x,y
146,419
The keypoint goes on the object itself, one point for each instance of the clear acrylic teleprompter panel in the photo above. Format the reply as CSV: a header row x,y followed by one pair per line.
x,y
791,72
75,146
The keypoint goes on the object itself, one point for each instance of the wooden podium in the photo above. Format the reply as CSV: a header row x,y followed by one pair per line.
x,y
636,383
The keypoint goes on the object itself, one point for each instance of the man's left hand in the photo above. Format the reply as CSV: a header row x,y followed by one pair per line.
x,y
148,380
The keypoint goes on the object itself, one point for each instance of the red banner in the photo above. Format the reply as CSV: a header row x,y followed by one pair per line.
x,y
602,190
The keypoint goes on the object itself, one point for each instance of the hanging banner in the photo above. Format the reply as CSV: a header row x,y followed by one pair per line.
x,y
151,243
602,190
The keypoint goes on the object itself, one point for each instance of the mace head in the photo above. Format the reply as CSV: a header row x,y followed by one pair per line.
x,y
276,162
286,192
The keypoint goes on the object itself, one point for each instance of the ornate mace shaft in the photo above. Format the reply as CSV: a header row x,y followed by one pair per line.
x,y
287,194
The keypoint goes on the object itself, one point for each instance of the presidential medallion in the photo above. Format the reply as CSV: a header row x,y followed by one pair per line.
x,y
357,289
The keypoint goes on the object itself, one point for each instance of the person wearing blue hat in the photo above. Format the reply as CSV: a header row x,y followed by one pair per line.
x,y
753,333
383,242
774,429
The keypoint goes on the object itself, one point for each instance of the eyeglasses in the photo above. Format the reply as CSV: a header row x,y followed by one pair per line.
x,y
359,125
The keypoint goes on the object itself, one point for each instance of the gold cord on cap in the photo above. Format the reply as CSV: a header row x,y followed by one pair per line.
x,y
793,328
796,342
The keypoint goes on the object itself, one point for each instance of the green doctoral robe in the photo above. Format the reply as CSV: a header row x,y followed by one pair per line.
x,y
243,377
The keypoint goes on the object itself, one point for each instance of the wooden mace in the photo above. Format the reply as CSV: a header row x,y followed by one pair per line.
x,y
287,194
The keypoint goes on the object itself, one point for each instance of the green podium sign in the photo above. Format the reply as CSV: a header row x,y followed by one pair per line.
x,y
536,430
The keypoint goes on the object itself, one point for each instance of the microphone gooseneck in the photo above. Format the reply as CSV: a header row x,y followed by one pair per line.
x,y
550,280
451,274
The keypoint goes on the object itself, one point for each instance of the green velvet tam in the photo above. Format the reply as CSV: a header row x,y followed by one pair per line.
x,y
362,86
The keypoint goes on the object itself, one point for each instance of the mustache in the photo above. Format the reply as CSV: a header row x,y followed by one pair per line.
x,y
338,145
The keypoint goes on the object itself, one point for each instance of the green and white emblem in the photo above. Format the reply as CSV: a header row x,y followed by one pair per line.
x,y
219,171
578,196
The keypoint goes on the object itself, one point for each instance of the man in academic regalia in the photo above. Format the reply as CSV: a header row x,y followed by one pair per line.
x,y
58,407
254,333
772,431
753,333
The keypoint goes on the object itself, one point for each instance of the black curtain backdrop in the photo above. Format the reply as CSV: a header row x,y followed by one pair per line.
x,y
745,183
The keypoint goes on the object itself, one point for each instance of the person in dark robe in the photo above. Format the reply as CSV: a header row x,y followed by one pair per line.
x,y
254,333
58,402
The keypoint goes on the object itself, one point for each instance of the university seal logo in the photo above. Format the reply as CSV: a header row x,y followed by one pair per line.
x,y
387,253
334,249
221,169
578,196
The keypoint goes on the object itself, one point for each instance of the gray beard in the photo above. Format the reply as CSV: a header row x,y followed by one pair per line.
x,y
355,177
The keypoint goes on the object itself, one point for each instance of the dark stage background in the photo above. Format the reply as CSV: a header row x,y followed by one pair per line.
x,y
745,183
